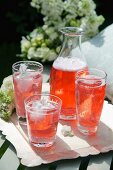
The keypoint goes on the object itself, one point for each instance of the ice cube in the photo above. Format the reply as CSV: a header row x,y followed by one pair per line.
x,y
37,112
24,83
22,69
37,105
69,64
43,105
92,79
48,104
51,105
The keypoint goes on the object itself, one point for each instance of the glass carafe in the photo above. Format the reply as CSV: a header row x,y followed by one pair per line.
x,y
64,69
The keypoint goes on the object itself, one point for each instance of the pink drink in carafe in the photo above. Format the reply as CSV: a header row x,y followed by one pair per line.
x,y
64,69
62,80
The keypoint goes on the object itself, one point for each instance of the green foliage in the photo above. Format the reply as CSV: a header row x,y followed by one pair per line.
x,y
6,98
5,101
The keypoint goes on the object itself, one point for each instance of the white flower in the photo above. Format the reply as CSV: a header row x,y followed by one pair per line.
x,y
25,44
85,7
67,131
31,53
7,84
42,53
42,42
49,30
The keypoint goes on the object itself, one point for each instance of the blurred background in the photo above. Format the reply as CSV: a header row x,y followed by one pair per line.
x,y
18,18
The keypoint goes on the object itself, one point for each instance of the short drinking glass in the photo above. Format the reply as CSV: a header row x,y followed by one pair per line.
x,y
90,98
27,80
42,113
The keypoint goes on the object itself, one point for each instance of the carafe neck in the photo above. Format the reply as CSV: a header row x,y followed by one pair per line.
x,y
71,41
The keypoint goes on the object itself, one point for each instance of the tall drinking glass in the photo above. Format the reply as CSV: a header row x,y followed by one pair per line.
x,y
42,113
90,98
27,79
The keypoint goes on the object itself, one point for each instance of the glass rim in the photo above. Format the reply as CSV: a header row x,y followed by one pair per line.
x,y
72,31
91,69
29,107
27,61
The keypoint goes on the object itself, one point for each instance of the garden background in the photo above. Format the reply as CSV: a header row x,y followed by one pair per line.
x,y
18,18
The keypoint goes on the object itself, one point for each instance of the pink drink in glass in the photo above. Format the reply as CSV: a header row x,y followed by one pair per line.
x,y
25,85
90,99
42,119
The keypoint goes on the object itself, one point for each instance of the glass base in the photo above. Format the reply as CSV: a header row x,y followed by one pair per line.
x,y
68,114
41,142
42,145
87,130
22,120
63,117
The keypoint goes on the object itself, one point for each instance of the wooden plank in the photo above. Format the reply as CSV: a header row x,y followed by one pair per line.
x,y
4,147
9,160
72,164
84,163
21,167
111,166
100,162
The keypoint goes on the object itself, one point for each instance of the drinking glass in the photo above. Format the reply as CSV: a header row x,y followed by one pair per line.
x,y
42,112
90,98
27,80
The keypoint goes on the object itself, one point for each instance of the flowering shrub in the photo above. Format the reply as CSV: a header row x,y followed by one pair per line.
x,y
7,103
43,43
